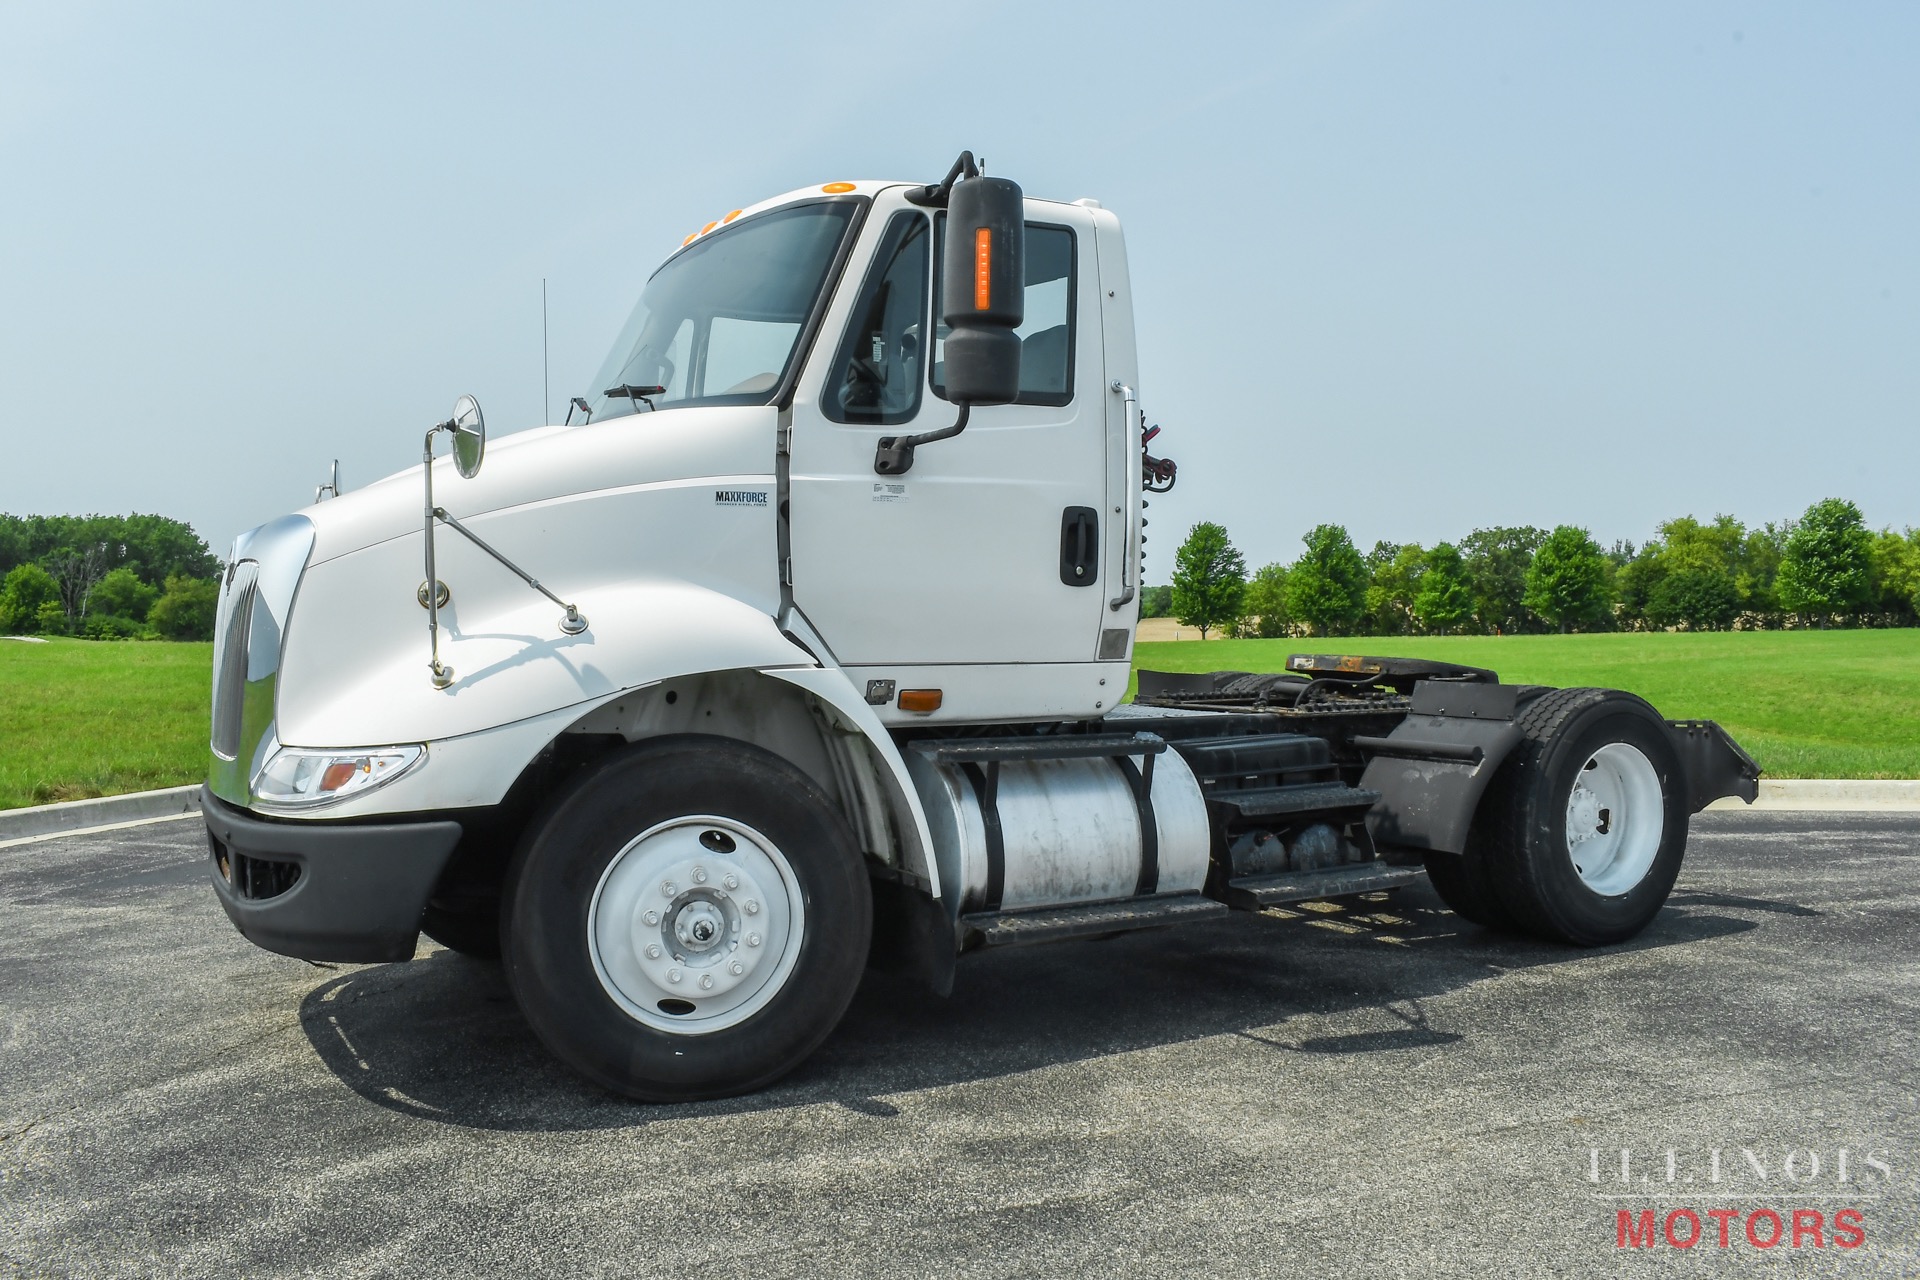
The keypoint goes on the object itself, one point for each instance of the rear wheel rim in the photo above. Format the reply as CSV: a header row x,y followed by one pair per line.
x,y
696,925
1616,819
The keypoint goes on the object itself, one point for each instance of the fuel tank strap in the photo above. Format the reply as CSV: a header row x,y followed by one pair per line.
x,y
1140,778
986,787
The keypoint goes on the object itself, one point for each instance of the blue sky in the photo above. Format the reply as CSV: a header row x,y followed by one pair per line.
x,y
1412,268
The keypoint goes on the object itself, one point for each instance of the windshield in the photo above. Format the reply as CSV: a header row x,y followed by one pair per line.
x,y
718,323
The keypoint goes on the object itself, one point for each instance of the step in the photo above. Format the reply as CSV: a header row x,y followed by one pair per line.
x,y
1057,924
1052,746
1311,797
1249,755
1250,893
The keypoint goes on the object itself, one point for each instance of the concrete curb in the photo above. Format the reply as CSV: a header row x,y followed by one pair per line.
x,y
1831,793
106,811
177,802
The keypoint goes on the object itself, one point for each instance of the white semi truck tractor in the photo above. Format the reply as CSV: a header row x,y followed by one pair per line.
x,y
803,646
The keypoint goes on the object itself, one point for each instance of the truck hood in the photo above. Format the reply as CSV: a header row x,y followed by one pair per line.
x,y
545,464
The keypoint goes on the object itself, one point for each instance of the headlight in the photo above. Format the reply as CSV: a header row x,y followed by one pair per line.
x,y
305,778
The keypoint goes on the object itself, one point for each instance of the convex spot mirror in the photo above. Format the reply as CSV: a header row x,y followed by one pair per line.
x,y
983,290
469,437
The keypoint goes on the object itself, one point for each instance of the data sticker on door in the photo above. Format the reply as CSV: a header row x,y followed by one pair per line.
x,y
894,491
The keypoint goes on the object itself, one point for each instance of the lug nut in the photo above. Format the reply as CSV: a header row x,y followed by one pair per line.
x,y
668,888
752,906
736,968
699,875
652,917
673,975
706,982
732,881
753,939
653,952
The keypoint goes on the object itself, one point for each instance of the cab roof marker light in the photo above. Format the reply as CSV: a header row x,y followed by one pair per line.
x,y
730,217
710,226
690,239
837,188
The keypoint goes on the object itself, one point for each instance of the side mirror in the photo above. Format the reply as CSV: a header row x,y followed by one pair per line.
x,y
983,287
469,437
983,290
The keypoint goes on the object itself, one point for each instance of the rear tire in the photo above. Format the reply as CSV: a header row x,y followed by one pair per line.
x,y
1466,886
1583,830
689,921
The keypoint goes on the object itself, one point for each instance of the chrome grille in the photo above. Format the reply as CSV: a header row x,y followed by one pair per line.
x,y
230,659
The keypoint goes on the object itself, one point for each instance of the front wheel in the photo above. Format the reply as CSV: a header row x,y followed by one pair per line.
x,y
1583,830
690,921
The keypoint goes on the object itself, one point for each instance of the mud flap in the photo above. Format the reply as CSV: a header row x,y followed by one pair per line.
x,y
912,935
1715,765
1433,768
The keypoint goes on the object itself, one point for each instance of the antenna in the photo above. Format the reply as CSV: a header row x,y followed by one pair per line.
x,y
546,397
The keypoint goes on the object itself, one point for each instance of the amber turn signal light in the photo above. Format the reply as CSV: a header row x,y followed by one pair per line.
x,y
921,700
983,269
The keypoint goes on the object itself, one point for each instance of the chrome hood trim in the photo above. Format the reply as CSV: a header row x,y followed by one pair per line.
x,y
256,601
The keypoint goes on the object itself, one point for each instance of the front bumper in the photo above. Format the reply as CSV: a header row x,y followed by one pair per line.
x,y
325,891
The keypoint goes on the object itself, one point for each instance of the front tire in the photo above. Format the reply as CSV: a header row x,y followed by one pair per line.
x,y
468,928
1583,830
690,921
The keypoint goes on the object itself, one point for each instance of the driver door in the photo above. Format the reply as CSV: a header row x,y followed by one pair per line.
x,y
964,560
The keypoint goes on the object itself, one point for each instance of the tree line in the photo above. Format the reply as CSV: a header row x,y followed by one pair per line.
x,y
1826,568
132,577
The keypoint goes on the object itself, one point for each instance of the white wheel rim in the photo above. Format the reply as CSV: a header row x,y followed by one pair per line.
x,y
1616,817
695,925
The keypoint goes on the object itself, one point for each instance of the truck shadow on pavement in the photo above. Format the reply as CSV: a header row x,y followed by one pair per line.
x,y
440,1038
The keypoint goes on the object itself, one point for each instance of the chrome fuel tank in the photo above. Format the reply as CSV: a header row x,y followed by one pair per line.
x,y
1069,831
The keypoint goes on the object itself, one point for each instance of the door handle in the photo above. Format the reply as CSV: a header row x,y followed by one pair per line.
x,y
1079,546
1130,542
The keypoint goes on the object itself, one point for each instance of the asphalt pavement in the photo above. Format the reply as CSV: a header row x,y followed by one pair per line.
x,y
1384,1091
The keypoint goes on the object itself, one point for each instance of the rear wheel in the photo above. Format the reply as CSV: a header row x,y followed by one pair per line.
x,y
690,921
1466,886
1582,833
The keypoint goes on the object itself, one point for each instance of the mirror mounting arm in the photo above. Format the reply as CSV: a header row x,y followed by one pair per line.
x,y
935,196
468,427
442,674
893,456
573,622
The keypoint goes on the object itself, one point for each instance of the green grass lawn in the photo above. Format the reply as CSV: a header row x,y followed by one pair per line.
x,y
82,718
1805,704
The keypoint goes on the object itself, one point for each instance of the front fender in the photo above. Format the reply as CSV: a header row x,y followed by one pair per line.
x,y
351,680
837,691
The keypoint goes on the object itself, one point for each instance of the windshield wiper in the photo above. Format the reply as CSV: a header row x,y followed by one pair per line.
x,y
635,394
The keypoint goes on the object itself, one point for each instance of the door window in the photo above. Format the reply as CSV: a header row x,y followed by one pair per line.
x,y
1046,335
876,377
